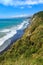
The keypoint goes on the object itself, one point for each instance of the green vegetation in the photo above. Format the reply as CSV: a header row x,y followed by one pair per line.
x,y
29,49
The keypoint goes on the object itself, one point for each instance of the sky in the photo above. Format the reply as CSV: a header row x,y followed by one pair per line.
x,y
19,8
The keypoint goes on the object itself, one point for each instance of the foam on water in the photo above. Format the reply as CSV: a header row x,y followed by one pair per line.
x,y
12,31
5,30
9,35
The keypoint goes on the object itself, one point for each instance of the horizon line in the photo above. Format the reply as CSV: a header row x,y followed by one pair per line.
x,y
15,16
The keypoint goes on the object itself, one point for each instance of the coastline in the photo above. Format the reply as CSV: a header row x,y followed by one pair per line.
x,y
6,45
11,40
28,49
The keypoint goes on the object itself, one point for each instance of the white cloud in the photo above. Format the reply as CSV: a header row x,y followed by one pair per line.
x,y
23,15
15,16
20,2
6,2
29,6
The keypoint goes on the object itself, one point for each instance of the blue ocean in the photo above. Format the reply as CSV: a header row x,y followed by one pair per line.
x,y
10,29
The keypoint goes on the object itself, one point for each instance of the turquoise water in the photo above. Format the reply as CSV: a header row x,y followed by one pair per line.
x,y
12,25
6,23
11,29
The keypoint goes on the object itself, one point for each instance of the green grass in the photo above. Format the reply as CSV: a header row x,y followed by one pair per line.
x,y
29,49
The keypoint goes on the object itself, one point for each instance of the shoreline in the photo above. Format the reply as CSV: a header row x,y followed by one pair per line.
x,y
13,39
6,45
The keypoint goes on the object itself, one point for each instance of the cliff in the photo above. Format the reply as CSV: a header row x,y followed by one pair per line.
x,y
29,49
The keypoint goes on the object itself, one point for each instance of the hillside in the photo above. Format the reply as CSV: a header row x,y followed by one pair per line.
x,y
29,49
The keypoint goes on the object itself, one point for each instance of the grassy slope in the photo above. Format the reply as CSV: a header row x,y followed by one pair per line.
x,y
29,49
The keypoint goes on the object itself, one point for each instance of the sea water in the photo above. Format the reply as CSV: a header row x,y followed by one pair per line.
x,y
9,28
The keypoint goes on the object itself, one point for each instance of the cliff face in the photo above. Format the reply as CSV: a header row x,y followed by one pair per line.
x,y
29,49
